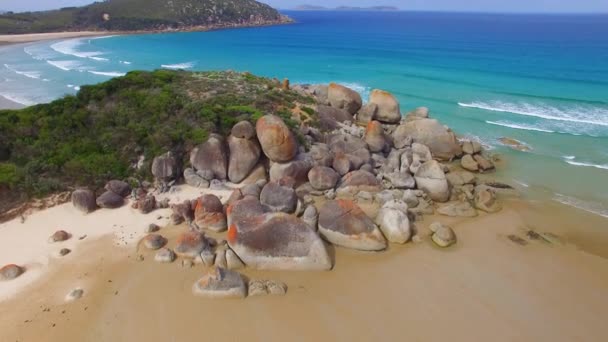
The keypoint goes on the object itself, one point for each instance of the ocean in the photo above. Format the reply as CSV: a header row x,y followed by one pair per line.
x,y
540,79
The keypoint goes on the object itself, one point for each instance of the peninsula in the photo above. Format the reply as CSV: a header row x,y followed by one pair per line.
x,y
144,16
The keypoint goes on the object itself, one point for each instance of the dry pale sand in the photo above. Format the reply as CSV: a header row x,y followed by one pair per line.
x,y
486,288
34,37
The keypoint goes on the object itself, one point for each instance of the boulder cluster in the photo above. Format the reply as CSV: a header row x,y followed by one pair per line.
x,y
359,180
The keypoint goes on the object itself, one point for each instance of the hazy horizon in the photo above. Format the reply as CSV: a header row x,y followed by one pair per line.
x,y
494,6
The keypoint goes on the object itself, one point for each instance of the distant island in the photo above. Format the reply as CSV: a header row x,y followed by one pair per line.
x,y
345,8
144,15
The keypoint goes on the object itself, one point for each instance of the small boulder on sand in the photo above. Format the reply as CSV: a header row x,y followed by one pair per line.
x,y
110,200
266,287
59,236
10,272
443,236
154,241
191,244
220,283
165,255
74,295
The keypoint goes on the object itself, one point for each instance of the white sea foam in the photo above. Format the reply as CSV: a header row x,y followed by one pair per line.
x,y
108,73
18,99
69,47
178,66
597,166
569,157
525,185
77,88
125,62
104,37
592,207
65,65
587,115
29,74
519,126
363,90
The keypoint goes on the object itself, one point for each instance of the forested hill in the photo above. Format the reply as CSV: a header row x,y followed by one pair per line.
x,y
143,15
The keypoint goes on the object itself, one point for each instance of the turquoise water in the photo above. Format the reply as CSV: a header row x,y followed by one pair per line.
x,y
540,79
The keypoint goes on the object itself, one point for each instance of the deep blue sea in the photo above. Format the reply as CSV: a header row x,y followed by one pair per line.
x,y
541,79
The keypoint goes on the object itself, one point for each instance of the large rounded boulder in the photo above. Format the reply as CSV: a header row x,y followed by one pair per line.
x,y
274,241
84,200
345,98
431,179
393,221
441,140
278,197
323,178
360,180
209,213
164,167
110,200
343,223
119,187
374,137
244,156
277,141
211,156
388,106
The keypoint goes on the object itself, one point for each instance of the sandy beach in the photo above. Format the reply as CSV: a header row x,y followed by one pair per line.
x,y
490,286
6,39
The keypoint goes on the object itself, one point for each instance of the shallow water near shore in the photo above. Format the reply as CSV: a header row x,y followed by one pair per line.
x,y
538,79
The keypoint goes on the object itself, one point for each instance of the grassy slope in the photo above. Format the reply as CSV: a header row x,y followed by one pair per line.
x,y
140,15
100,133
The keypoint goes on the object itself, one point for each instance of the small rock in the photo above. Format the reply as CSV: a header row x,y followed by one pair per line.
x,y
165,255
443,236
74,295
220,283
266,287
64,252
152,228
187,263
10,272
154,241
59,236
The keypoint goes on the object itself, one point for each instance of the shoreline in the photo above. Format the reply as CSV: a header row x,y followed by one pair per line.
x,y
12,39
488,276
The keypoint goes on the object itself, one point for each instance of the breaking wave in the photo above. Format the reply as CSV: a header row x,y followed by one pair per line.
x,y
597,166
592,207
587,115
178,66
65,65
519,126
69,47
29,74
108,73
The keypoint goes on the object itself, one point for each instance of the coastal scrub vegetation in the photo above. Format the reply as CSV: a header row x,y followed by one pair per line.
x,y
101,132
141,15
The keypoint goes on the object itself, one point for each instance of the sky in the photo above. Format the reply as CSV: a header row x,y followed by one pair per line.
x,y
588,6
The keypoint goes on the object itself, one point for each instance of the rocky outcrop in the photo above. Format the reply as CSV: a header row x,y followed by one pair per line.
x,y
220,283
485,199
119,187
374,137
209,214
110,200
388,106
345,98
211,156
277,141
164,167
323,178
279,198
441,141
329,117
343,223
244,156
274,241
191,245
84,200
393,222
431,179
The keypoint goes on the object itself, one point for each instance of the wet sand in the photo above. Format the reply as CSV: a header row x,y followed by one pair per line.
x,y
490,286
